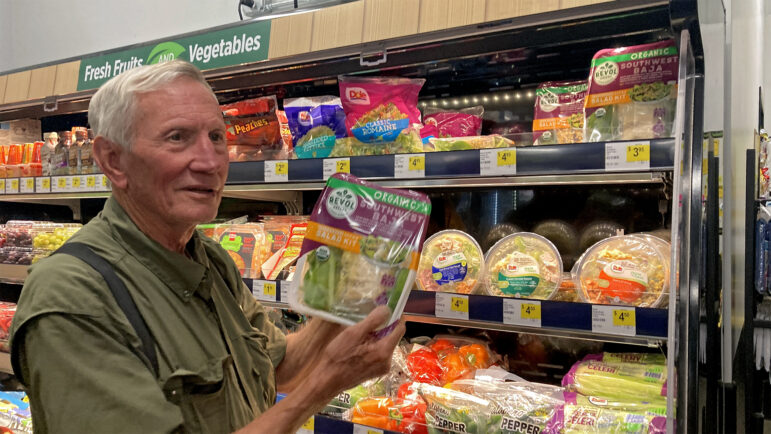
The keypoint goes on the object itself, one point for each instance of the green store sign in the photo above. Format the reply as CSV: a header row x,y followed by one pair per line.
x,y
233,46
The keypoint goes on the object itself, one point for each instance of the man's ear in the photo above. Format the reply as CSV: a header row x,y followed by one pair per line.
x,y
110,157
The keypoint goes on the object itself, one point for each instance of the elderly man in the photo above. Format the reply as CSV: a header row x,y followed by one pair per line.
x,y
212,360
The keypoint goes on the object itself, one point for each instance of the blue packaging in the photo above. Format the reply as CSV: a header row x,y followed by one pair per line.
x,y
315,123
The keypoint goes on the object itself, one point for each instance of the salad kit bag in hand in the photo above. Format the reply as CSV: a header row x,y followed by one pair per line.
x,y
361,250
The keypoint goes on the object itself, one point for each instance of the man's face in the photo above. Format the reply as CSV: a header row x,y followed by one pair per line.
x,y
178,162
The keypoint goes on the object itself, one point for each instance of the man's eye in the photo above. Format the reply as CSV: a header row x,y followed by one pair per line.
x,y
217,137
175,137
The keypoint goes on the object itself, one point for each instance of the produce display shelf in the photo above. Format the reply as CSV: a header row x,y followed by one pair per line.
x,y
622,324
5,363
13,274
573,161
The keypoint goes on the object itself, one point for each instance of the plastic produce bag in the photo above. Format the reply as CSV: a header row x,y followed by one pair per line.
x,y
315,123
559,112
464,143
360,250
581,419
377,109
656,407
245,243
407,142
523,265
452,411
452,261
253,131
522,406
632,93
592,377
454,123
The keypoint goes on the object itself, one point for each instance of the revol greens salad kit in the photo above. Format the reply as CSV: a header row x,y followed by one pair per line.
x,y
315,123
632,93
559,112
377,109
361,250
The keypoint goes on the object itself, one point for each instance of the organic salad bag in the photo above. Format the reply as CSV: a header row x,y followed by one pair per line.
x,y
361,250
632,93
559,112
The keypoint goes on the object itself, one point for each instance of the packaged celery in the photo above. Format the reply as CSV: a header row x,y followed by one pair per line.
x,y
361,250
654,407
580,419
617,380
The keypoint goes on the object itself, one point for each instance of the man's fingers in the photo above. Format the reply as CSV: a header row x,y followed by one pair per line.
x,y
373,321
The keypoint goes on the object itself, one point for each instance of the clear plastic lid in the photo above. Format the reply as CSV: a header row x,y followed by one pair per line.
x,y
626,270
523,265
452,261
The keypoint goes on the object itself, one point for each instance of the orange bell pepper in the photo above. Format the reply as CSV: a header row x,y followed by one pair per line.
x,y
442,345
476,354
376,412
455,367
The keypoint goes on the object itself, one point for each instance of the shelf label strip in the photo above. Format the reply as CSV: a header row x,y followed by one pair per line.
x,y
614,320
522,312
451,306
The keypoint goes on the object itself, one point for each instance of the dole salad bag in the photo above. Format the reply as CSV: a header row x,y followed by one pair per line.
x,y
632,93
361,250
378,109
315,123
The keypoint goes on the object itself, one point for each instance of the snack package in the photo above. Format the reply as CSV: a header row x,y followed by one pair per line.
x,y
253,131
286,255
452,261
463,143
15,414
583,419
632,93
463,122
315,123
452,411
559,112
360,250
625,269
523,265
522,406
407,142
377,109
286,133
591,377
245,243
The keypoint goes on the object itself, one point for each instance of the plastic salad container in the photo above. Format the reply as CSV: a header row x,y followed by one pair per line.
x,y
523,265
452,261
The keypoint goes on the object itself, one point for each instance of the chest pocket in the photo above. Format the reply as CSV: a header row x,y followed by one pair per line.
x,y
263,372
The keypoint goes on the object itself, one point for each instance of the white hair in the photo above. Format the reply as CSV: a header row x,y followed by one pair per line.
x,y
112,109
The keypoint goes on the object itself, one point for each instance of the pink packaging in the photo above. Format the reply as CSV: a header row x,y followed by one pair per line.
x,y
455,123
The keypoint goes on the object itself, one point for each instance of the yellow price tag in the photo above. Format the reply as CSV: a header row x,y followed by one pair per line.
x,y
507,157
2,186
90,181
46,183
30,183
104,181
61,182
14,184
282,168
76,182
417,163
459,304
308,424
343,166
638,153
372,431
531,311
624,317
269,289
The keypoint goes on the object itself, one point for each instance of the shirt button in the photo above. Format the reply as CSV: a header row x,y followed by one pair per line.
x,y
187,294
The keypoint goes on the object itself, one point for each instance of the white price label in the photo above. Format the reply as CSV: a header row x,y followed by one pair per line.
x,y
264,290
277,171
336,165
627,156
522,312
453,306
410,165
498,162
12,186
614,320
362,429
27,185
284,291
43,184
60,184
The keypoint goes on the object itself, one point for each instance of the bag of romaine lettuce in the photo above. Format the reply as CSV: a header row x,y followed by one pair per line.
x,y
632,93
580,419
617,380
361,250
315,123
377,109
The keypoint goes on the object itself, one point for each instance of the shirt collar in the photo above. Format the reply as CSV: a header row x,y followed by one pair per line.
x,y
184,275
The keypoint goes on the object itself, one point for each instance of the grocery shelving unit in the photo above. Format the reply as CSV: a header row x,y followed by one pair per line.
x,y
513,53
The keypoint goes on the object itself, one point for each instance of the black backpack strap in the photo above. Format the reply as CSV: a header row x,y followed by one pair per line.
x,y
121,294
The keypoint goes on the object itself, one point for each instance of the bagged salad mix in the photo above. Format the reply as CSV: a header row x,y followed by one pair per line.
x,y
360,251
632,93
407,142
559,112
315,124
474,142
377,109
463,122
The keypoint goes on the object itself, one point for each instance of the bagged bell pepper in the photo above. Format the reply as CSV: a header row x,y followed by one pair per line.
x,y
424,366
376,412
451,411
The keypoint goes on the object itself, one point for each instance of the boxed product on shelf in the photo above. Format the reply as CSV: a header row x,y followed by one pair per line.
x,y
465,122
253,131
246,245
315,123
288,253
523,265
632,93
626,269
377,109
452,261
360,250
559,112
474,142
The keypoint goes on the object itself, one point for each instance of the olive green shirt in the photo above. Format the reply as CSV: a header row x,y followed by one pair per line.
x,y
81,359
